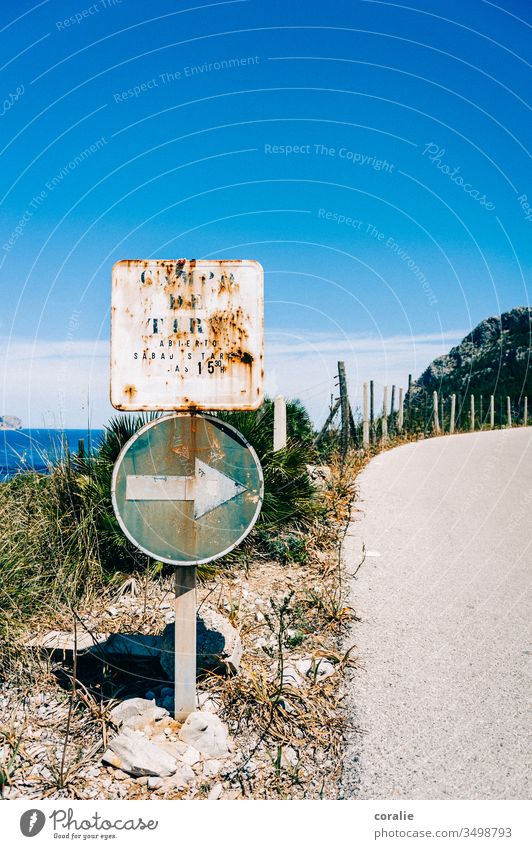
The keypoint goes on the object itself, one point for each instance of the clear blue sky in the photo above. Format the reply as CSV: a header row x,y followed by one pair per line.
x,y
411,121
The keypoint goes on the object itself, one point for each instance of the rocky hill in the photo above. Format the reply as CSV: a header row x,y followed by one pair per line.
x,y
494,359
10,423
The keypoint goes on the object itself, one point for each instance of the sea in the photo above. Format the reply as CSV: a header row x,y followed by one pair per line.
x,y
31,449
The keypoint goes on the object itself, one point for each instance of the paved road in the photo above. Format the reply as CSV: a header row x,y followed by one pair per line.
x,y
444,597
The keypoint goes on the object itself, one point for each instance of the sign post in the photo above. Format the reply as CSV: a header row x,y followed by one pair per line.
x,y
187,488
185,642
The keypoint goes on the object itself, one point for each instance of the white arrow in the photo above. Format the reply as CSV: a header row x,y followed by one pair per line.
x,y
207,488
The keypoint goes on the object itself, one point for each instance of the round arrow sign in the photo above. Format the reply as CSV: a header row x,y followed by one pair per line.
x,y
187,488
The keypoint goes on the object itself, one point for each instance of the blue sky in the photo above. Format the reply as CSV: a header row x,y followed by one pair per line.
x,y
371,155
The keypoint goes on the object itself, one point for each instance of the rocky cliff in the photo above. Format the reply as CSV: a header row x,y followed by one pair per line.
x,y
494,359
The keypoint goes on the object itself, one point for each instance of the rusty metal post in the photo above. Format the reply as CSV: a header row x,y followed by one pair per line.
x,y
185,642
279,423
344,409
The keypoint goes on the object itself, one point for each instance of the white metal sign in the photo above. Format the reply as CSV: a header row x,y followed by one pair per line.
x,y
187,335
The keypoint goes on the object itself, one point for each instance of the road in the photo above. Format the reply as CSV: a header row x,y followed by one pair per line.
x,y
440,700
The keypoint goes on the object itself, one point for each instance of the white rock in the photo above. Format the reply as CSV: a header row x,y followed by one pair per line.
x,y
154,782
175,748
289,757
207,733
206,702
315,667
215,792
191,756
291,676
133,753
186,772
146,721
211,768
135,707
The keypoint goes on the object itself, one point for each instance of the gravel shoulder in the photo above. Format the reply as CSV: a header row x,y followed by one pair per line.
x,y
440,699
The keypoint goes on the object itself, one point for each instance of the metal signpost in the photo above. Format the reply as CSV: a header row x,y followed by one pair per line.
x,y
187,488
187,335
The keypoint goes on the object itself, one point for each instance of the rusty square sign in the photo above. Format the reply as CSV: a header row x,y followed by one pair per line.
x,y
187,335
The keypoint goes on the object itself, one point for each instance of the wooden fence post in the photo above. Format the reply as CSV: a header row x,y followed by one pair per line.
x,y
401,412
492,412
436,417
344,409
330,417
385,414
371,411
409,410
453,413
365,417
472,414
508,411
279,423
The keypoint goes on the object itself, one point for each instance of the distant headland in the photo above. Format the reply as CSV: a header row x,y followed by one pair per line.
x,y
10,423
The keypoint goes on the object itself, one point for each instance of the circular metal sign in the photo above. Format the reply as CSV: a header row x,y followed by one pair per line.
x,y
187,488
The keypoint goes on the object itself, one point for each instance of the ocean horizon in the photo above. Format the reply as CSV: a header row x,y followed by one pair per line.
x,y
33,449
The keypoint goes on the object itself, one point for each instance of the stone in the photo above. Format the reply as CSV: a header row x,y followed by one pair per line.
x,y
319,475
291,677
218,645
186,772
133,753
215,792
176,781
134,708
320,668
289,757
191,756
211,768
66,640
175,748
130,646
206,733
146,721
205,701
154,782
